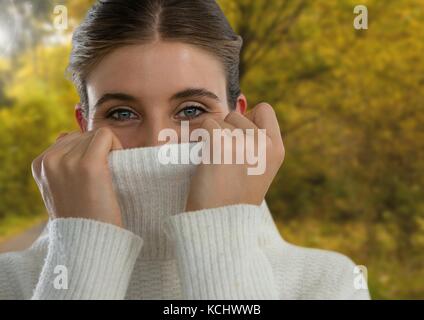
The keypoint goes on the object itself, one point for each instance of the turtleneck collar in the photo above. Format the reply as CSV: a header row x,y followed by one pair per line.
x,y
149,191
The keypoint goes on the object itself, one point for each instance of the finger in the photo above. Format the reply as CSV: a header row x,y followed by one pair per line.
x,y
103,142
209,125
238,120
69,142
79,146
65,140
264,117
66,150
228,147
225,125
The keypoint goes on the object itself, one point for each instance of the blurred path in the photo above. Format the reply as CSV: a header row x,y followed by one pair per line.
x,y
23,240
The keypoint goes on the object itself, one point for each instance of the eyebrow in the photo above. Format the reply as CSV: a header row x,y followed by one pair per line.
x,y
195,93
114,96
186,93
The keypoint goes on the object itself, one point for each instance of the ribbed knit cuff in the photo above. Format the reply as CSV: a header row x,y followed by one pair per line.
x,y
87,259
218,253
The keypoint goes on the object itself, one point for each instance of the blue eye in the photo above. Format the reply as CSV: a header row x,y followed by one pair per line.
x,y
121,115
191,112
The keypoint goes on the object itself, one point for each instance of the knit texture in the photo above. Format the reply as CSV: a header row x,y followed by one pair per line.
x,y
162,252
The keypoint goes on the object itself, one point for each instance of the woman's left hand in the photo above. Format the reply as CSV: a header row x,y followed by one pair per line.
x,y
217,185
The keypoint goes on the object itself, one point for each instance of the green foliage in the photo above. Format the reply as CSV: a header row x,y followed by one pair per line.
x,y
41,109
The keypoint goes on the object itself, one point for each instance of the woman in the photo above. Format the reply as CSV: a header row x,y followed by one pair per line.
x,y
122,224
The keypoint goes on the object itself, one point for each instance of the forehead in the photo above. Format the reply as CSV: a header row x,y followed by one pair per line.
x,y
156,70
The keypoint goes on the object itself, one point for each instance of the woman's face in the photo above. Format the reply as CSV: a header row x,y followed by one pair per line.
x,y
140,90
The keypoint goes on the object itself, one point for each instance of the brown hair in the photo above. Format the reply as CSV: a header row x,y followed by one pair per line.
x,y
111,24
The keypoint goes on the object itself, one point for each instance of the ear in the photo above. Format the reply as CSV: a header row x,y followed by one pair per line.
x,y
79,116
241,105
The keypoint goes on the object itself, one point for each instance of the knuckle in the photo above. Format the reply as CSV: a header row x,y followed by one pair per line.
x,y
266,107
48,160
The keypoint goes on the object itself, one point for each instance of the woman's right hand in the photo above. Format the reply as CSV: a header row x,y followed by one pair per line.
x,y
74,178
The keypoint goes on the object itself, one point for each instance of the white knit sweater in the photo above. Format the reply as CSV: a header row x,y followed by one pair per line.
x,y
232,252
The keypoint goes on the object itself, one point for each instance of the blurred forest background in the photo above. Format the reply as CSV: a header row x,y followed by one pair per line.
x,y
350,104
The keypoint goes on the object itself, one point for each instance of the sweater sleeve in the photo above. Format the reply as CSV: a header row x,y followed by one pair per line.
x,y
351,281
218,254
87,259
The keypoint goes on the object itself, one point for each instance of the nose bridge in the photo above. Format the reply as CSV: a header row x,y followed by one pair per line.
x,y
154,126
